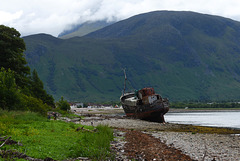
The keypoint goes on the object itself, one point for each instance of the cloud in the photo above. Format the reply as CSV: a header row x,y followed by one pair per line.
x,y
6,16
53,16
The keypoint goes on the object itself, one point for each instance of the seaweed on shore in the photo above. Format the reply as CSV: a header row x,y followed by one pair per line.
x,y
202,129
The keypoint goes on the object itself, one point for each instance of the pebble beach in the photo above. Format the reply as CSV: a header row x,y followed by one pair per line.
x,y
203,146
196,145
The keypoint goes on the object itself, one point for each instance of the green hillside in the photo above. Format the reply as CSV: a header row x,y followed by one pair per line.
x,y
183,55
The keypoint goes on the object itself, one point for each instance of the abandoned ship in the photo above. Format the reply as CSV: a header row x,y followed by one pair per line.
x,y
144,104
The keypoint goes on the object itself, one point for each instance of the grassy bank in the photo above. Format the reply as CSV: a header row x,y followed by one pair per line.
x,y
42,138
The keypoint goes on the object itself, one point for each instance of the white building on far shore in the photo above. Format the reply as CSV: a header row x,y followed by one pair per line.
x,y
76,105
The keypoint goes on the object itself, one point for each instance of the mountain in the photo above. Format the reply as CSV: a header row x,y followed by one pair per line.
x,y
83,29
183,55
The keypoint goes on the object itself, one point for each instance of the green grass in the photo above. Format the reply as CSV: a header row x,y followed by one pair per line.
x,y
59,140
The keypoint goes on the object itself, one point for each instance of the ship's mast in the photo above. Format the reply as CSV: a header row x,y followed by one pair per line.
x,y
124,80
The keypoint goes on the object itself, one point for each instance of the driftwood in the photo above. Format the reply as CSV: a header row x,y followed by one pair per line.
x,y
83,129
5,141
205,153
9,141
9,154
1,138
15,154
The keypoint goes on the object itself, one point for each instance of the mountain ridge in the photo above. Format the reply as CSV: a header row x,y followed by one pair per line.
x,y
83,29
157,18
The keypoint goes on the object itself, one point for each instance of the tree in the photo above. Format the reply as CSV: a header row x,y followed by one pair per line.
x,y
11,54
63,104
38,90
9,94
17,86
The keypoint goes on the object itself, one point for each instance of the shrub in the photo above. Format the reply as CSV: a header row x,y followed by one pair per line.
x,y
9,94
94,145
34,105
13,99
63,104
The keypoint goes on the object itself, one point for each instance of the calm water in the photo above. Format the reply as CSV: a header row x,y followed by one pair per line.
x,y
217,119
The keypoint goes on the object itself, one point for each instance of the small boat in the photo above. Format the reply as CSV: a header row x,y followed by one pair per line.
x,y
144,104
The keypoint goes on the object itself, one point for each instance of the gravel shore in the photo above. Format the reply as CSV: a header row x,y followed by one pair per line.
x,y
203,146
199,146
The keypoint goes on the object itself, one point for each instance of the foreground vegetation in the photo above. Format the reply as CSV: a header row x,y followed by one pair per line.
x,y
42,138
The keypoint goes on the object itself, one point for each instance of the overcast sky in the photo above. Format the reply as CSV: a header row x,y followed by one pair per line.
x,y
53,16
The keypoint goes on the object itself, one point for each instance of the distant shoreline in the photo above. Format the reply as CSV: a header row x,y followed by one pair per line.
x,y
174,110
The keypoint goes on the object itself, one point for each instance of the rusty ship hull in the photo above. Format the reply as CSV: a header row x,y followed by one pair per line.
x,y
150,107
